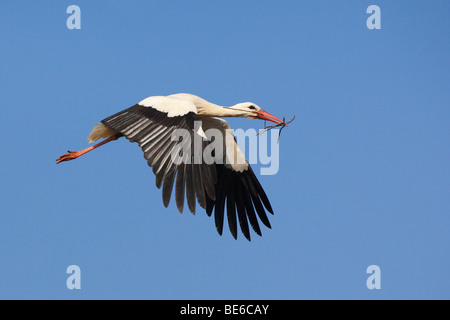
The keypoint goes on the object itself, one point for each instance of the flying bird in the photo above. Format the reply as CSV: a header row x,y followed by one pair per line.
x,y
231,181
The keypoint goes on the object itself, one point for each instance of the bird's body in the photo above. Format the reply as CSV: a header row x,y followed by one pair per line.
x,y
229,179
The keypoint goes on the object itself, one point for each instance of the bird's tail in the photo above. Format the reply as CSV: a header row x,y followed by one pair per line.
x,y
101,131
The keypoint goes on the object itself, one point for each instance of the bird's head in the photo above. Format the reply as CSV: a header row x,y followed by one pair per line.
x,y
253,111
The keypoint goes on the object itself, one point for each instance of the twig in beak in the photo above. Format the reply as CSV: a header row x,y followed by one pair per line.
x,y
282,125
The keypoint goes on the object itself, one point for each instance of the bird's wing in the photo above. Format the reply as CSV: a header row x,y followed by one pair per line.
x,y
152,123
237,186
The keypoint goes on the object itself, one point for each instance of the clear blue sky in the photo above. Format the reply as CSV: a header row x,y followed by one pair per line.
x,y
364,169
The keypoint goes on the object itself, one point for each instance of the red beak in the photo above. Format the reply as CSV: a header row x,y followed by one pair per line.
x,y
267,116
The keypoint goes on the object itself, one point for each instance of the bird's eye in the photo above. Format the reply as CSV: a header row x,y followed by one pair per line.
x,y
252,108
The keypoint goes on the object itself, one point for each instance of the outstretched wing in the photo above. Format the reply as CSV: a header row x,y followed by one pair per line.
x,y
237,187
153,123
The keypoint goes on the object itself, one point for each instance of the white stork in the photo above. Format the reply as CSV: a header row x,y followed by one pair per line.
x,y
151,123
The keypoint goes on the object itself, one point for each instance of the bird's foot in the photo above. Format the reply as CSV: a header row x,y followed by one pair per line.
x,y
70,155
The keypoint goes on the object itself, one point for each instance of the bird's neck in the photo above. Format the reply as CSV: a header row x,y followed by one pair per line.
x,y
213,110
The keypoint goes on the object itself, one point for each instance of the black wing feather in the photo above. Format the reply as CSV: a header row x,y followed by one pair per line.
x,y
243,194
179,188
231,210
240,206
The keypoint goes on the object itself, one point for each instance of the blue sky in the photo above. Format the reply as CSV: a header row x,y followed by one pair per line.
x,y
364,174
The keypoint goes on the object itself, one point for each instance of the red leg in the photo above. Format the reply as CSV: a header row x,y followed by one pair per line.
x,y
70,155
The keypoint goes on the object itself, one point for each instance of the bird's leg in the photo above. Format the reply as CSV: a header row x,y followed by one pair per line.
x,y
70,155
